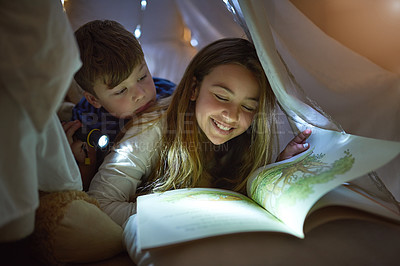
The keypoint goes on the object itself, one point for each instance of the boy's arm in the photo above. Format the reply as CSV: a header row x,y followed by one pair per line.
x,y
297,145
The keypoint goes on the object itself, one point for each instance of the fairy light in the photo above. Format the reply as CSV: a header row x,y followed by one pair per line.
x,y
143,5
194,42
138,30
188,37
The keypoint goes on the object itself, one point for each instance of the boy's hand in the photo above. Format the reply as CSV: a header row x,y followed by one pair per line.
x,y
81,152
70,128
76,145
295,146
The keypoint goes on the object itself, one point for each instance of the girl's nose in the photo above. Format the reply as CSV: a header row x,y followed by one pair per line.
x,y
231,114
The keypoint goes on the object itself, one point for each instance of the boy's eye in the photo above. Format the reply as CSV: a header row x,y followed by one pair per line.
x,y
142,78
121,91
221,98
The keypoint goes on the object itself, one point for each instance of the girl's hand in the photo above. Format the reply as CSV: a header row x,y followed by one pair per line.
x,y
295,146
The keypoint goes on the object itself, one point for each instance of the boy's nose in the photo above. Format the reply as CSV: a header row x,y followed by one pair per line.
x,y
138,95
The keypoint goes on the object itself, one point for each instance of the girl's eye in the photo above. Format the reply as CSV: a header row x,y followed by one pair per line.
x,y
221,98
142,78
249,108
121,91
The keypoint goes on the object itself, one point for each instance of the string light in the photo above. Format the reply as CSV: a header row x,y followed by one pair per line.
x,y
194,42
137,32
143,5
138,29
188,37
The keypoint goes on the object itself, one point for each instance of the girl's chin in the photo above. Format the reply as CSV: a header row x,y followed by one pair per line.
x,y
217,141
215,137
125,116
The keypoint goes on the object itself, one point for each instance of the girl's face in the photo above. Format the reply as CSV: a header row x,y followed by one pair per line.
x,y
226,102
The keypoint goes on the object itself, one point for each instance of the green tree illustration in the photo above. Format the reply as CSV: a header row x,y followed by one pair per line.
x,y
294,180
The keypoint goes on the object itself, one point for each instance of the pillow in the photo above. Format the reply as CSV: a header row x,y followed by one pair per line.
x,y
71,228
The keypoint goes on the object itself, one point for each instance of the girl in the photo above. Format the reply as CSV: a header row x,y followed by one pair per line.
x,y
217,129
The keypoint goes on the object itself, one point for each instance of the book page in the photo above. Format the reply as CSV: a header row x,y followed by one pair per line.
x,y
345,195
290,188
358,205
187,214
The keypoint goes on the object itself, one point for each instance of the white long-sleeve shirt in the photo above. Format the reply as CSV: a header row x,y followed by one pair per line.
x,y
123,169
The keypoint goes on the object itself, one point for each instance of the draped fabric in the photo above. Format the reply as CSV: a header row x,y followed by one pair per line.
x,y
32,47
39,56
321,83
357,94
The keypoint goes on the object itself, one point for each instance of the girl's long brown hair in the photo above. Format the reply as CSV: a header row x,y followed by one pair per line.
x,y
183,158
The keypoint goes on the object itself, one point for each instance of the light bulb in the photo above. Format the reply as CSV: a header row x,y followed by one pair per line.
x,y
137,32
143,4
194,42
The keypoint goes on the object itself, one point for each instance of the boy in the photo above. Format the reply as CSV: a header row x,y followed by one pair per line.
x,y
117,86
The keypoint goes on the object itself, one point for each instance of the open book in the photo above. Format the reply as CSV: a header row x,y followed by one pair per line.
x,y
282,197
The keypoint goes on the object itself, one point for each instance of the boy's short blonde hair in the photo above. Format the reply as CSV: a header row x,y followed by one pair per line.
x,y
109,53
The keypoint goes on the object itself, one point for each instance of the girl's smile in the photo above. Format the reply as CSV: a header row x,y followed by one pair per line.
x,y
223,129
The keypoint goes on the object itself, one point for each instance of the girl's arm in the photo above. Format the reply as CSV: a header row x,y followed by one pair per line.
x,y
297,145
115,184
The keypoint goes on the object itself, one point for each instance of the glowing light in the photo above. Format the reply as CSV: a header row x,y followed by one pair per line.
x,y
137,32
143,4
103,141
187,34
194,42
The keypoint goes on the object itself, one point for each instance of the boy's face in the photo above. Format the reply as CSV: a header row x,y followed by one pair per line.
x,y
132,96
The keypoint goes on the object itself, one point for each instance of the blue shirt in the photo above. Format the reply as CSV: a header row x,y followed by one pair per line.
x,y
99,118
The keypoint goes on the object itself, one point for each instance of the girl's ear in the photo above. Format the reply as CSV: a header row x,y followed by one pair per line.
x,y
92,99
195,90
